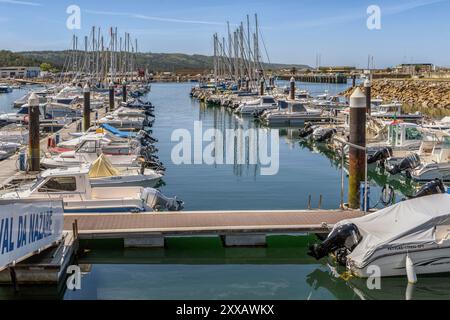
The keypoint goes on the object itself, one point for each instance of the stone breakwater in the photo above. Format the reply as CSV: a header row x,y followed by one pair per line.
x,y
421,94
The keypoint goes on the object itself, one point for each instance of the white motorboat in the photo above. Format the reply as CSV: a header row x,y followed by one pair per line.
x,y
258,105
443,124
14,133
68,95
330,103
402,136
7,149
98,143
73,187
417,228
124,122
46,111
124,112
5,89
102,173
393,110
42,96
87,154
436,165
290,113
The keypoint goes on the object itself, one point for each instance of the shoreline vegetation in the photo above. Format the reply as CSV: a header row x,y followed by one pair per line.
x,y
153,62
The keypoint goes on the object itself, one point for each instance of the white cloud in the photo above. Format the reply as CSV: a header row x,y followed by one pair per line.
x,y
22,3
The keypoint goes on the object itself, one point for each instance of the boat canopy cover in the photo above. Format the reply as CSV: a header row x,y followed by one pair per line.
x,y
117,132
102,168
408,223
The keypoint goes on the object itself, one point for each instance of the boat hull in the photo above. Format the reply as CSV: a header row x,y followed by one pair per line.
x,y
428,261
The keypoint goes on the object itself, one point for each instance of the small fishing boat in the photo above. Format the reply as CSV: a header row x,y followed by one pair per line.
x,y
5,89
258,105
87,155
7,149
47,112
73,186
435,165
129,123
102,174
15,133
290,113
42,96
393,110
410,237
101,143
443,124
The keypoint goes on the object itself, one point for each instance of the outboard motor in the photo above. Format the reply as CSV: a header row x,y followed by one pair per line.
x,y
306,131
343,239
433,187
325,135
380,155
159,202
409,163
257,114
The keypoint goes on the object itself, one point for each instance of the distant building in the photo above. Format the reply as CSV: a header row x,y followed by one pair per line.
x,y
413,68
19,72
337,69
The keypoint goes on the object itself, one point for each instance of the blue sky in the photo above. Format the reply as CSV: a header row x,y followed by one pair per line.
x,y
294,31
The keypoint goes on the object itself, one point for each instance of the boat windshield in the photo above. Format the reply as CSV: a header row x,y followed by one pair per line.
x,y
88,147
298,108
38,181
268,100
413,134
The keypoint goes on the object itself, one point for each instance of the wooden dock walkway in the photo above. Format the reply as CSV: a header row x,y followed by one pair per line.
x,y
237,228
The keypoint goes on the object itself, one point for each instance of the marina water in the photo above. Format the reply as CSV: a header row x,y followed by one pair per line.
x,y
201,268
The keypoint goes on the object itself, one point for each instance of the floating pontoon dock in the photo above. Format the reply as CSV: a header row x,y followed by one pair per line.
x,y
237,228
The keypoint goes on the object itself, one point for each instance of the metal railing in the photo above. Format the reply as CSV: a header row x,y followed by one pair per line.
x,y
366,182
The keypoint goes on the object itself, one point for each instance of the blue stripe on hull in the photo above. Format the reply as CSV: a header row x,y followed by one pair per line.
x,y
103,210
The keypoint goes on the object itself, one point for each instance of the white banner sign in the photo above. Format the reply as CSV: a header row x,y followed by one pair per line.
x,y
27,227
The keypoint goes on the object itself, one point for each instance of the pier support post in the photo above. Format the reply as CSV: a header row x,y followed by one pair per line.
x,y
33,135
353,81
368,91
87,108
357,158
292,90
244,240
261,87
124,91
147,241
111,96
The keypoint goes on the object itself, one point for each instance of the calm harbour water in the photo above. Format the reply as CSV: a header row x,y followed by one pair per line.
x,y
200,268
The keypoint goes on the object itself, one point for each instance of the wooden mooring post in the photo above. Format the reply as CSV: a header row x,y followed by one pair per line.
x,y
357,156
87,108
34,138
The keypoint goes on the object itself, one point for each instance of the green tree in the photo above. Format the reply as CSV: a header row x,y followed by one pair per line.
x,y
46,67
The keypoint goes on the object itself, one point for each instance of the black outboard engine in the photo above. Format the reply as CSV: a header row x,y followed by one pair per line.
x,y
257,114
380,155
433,187
306,131
409,163
343,239
325,135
